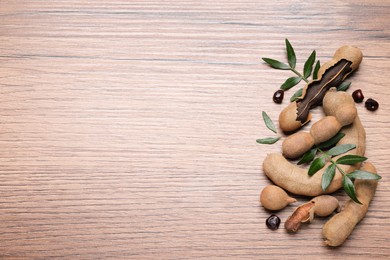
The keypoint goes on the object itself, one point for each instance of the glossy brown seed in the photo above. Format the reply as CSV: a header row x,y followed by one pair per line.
x,y
371,104
278,96
358,96
273,222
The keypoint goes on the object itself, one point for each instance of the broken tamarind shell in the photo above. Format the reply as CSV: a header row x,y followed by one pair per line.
x,y
322,206
345,60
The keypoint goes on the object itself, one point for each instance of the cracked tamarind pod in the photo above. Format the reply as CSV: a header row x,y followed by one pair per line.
x,y
321,206
345,60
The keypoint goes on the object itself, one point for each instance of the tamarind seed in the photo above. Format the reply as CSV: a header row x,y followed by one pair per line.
x,y
371,104
273,222
358,96
278,96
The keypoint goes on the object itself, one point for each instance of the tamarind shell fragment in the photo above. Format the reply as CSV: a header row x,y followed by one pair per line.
x,y
315,91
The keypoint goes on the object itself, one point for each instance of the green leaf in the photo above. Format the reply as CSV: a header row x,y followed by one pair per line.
x,y
359,174
268,140
308,67
340,149
316,165
296,95
316,69
350,159
308,156
344,86
276,64
332,141
349,188
268,122
290,82
292,60
328,175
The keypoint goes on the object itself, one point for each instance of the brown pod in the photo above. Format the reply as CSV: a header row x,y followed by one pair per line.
x,y
341,225
297,144
273,197
325,129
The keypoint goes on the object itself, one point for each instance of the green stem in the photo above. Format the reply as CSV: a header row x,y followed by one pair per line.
x,y
299,74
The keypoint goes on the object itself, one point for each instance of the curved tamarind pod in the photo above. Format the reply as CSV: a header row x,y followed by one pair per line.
x,y
341,111
341,225
295,179
345,60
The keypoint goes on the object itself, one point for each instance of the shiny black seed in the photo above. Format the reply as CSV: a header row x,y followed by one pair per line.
x,y
358,96
278,96
371,104
273,222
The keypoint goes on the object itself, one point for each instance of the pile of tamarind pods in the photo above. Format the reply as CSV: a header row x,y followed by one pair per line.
x,y
341,115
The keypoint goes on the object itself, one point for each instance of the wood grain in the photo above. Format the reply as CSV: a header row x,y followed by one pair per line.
x,y
128,128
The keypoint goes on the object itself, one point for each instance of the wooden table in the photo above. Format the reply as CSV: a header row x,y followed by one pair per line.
x,y
128,128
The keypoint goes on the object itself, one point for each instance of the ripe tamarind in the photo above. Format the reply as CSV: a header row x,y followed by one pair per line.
x,y
341,225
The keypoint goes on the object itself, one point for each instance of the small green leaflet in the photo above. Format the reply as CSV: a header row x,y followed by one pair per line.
x,y
349,188
316,69
308,156
350,159
359,174
268,140
328,176
268,122
290,54
340,149
316,165
308,67
296,95
290,82
276,64
332,141
344,86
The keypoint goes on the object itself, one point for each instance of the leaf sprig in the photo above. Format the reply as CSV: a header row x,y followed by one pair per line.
x,y
308,71
271,126
329,173
292,60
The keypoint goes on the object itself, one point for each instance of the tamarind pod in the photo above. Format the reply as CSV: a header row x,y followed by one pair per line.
x,y
325,205
341,225
295,179
341,111
297,144
324,129
273,197
340,105
345,60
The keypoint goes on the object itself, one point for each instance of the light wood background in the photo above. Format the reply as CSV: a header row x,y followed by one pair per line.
x,y
128,128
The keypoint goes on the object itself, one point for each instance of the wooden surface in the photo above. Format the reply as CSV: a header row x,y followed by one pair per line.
x,y
128,128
